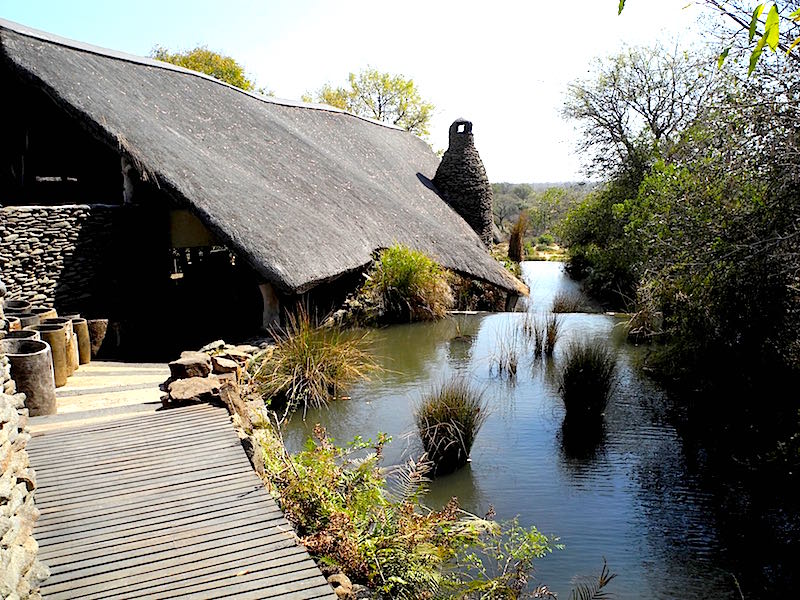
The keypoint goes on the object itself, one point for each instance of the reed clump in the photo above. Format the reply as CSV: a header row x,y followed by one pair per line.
x,y
516,242
568,302
587,380
311,365
552,331
448,419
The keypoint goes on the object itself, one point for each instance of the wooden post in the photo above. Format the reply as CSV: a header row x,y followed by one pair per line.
x,y
272,306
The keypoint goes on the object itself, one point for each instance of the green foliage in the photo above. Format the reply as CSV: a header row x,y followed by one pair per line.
x,y
587,379
408,285
311,365
448,418
383,97
206,61
347,514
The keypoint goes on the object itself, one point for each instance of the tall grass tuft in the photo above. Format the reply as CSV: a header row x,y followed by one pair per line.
x,y
409,285
311,365
448,419
507,353
587,380
516,249
568,302
552,329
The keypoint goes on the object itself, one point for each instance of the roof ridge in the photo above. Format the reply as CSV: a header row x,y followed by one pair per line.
x,y
52,38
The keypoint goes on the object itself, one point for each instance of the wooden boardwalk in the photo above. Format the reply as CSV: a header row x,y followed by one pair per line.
x,y
160,504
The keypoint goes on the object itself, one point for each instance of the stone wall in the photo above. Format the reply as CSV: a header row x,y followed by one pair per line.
x,y
55,255
21,573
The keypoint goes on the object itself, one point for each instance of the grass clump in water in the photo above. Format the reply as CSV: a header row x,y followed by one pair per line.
x,y
587,379
552,330
311,365
568,302
408,285
448,419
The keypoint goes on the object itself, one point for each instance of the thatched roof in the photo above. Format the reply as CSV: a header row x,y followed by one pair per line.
x,y
302,192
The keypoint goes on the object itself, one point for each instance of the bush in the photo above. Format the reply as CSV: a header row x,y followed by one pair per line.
x,y
339,501
310,365
516,241
546,239
448,419
588,378
408,285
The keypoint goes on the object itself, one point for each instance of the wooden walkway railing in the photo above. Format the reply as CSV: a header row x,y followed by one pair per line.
x,y
160,504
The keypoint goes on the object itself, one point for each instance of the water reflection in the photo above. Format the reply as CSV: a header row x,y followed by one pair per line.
x,y
637,490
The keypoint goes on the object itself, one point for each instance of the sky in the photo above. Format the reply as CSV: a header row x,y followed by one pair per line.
x,y
504,65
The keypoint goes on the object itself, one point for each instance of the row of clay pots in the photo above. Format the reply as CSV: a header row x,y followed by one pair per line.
x,y
67,343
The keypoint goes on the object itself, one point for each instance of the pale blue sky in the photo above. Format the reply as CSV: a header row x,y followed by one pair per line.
x,y
504,65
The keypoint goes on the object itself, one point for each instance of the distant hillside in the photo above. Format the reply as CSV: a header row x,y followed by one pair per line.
x,y
545,203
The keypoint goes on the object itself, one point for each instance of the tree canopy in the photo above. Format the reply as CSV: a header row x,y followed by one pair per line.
x,y
380,96
203,60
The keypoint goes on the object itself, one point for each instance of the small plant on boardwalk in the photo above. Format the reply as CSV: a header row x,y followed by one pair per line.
x,y
568,302
552,329
408,285
516,250
339,500
587,379
448,419
311,365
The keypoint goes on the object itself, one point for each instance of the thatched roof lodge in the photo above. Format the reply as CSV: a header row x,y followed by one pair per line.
x,y
301,194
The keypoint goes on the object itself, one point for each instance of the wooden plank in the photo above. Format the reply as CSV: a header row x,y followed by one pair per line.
x,y
162,505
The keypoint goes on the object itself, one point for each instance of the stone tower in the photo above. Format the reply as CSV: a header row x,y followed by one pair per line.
x,y
461,180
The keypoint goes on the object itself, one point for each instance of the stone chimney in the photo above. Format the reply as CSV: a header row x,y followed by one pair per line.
x,y
461,180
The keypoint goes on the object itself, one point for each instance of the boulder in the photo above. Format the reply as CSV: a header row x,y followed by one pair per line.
x,y
224,365
342,586
190,364
194,389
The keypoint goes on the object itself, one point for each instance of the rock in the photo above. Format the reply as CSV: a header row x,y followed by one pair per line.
x,y
342,586
224,365
194,389
247,349
362,592
189,365
216,345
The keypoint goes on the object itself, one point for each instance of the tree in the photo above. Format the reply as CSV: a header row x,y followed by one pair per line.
x,y
764,25
637,102
209,62
380,96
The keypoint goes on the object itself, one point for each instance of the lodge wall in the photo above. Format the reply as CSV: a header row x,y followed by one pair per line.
x,y
57,255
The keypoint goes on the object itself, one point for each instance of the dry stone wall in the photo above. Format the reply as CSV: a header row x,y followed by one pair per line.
x,y
55,254
21,573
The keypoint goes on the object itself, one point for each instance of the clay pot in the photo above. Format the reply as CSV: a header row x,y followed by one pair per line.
x,y
56,337
23,334
97,333
81,328
72,342
32,370
44,312
13,323
27,319
12,306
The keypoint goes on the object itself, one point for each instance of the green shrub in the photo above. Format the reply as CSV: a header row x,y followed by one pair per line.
x,y
311,365
408,285
587,379
448,419
546,239
378,532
